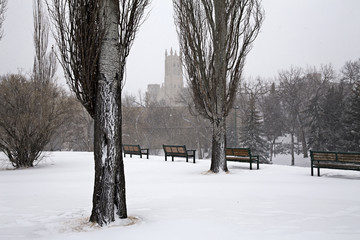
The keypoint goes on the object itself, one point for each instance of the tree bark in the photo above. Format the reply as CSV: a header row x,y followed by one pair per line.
x,y
107,126
218,161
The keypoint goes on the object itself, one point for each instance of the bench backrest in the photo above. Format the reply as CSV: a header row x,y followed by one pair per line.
x,y
172,149
323,156
240,152
349,157
131,148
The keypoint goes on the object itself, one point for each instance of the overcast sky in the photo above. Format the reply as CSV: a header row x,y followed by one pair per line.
x,y
295,33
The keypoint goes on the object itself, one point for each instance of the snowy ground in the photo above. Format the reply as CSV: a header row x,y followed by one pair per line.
x,y
178,200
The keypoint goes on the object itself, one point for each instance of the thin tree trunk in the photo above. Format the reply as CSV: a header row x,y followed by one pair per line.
x,y
303,138
292,150
120,194
107,127
272,150
198,143
218,161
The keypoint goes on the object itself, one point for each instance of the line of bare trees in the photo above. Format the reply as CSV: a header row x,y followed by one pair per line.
x,y
315,108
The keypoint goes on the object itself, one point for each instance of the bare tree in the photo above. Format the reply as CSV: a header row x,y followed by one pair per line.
x,y
215,37
351,72
29,117
3,4
31,109
45,64
291,87
78,133
94,39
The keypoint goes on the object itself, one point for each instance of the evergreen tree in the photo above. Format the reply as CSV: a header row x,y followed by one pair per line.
x,y
251,131
273,119
333,112
352,120
315,113
325,112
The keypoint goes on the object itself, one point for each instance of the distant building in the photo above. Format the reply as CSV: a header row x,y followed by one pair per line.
x,y
173,85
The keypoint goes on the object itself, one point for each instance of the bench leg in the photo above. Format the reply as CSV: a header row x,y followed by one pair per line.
x,y
165,157
250,164
147,155
187,159
318,171
194,158
257,164
312,171
172,157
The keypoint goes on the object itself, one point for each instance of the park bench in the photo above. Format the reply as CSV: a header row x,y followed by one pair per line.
x,y
241,155
334,160
178,151
135,150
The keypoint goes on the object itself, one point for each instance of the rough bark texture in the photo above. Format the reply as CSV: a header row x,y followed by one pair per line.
x,y
107,137
218,147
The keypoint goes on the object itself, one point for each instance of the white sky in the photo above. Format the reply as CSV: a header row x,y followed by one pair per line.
x,y
295,33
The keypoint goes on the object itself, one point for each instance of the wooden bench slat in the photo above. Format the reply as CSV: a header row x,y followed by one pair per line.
x,y
348,157
228,151
181,150
324,156
241,152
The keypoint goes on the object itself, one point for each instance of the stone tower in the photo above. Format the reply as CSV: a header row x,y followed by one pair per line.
x,y
173,84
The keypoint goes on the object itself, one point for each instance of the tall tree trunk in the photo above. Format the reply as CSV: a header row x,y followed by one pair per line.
x,y
120,194
272,150
292,149
218,161
303,138
107,127
198,143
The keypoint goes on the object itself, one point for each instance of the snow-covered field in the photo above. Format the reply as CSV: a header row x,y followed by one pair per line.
x,y
178,200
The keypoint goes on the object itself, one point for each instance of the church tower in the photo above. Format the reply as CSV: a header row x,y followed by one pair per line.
x,y
173,77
